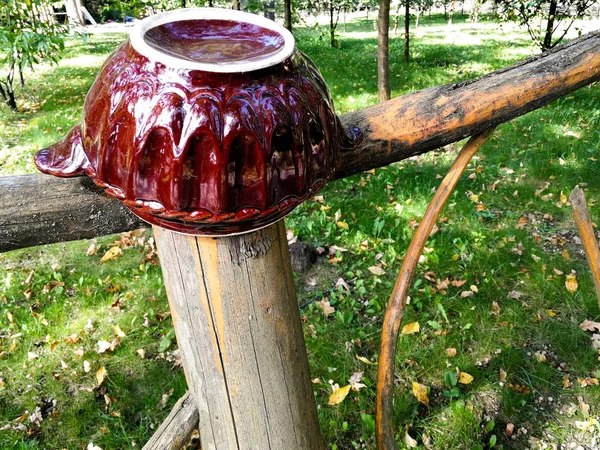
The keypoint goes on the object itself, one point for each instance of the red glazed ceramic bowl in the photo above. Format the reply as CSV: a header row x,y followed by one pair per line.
x,y
206,121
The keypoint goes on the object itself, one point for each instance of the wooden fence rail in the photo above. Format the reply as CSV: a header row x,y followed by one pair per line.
x,y
39,209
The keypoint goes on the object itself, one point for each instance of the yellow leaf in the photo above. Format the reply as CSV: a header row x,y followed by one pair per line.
x,y
474,198
420,392
551,313
112,253
341,224
339,395
465,378
571,283
100,375
563,198
411,328
118,331
365,360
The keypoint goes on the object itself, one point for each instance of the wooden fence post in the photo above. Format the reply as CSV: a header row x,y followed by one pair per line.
x,y
237,322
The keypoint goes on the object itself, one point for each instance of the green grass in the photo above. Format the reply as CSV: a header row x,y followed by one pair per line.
x,y
554,148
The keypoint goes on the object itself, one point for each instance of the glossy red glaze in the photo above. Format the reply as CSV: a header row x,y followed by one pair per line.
x,y
200,152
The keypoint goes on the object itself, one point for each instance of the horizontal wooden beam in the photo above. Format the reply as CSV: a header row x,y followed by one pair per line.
x,y
38,209
176,429
431,118
42,209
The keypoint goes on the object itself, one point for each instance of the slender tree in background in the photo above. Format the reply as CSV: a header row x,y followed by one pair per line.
x,y
288,13
406,30
558,15
236,4
28,36
383,51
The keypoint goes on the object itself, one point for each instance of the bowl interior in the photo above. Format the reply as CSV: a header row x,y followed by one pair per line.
x,y
215,41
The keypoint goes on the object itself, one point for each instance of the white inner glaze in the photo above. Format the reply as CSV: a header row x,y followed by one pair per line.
x,y
140,45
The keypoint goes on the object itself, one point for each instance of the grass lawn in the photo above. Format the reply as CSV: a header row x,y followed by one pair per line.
x,y
489,294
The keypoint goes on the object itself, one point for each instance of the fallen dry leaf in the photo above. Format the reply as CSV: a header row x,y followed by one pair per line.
x,y
588,325
141,352
458,283
509,430
365,360
515,295
118,331
571,282
495,309
465,294
566,382
111,253
420,392
72,339
326,307
103,346
411,328
92,249
450,352
465,378
86,366
355,381
502,375
339,395
409,441
100,375
521,388
165,398
376,270
583,382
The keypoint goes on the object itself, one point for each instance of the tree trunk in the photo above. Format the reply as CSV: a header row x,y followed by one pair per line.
x,y
74,12
451,12
383,51
331,25
238,326
547,44
270,9
288,14
417,18
210,3
407,31
236,4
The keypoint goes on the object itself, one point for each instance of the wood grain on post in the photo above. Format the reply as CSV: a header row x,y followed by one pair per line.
x,y
177,428
237,323
586,233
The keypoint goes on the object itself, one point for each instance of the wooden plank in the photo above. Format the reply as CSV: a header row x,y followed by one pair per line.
x,y
177,428
32,212
41,209
237,323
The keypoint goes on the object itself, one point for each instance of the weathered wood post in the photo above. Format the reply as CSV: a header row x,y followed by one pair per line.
x,y
238,327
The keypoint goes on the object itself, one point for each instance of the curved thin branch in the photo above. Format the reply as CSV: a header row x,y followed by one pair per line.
x,y
397,302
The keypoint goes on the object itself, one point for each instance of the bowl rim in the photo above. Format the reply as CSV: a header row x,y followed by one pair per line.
x,y
138,42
